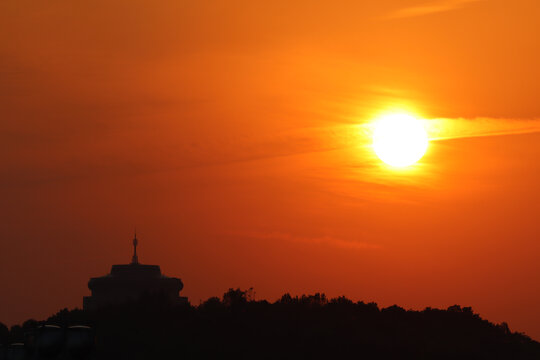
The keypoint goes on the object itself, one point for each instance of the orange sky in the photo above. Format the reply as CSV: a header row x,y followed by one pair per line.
x,y
230,133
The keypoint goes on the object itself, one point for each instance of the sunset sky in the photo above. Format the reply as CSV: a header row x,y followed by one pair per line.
x,y
235,136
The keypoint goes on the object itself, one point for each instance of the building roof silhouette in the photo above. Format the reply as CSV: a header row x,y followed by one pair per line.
x,y
128,282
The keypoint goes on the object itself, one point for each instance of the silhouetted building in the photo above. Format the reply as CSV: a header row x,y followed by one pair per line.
x,y
131,281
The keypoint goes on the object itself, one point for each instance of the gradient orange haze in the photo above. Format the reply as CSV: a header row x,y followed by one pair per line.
x,y
232,134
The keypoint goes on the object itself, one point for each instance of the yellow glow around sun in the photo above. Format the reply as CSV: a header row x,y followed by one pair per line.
x,y
399,139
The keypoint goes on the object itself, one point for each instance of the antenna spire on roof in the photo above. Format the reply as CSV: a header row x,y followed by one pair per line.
x,y
134,259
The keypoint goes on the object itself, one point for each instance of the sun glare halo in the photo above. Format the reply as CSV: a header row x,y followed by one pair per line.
x,y
399,139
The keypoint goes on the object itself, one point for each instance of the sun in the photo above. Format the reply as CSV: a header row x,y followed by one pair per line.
x,y
399,139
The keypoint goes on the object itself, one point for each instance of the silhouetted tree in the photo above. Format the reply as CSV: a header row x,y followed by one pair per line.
x,y
314,300
212,303
30,324
286,299
235,297
341,301
4,334
16,334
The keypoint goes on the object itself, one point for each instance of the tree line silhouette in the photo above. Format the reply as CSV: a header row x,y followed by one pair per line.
x,y
237,326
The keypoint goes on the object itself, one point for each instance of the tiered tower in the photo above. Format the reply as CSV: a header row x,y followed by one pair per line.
x,y
128,282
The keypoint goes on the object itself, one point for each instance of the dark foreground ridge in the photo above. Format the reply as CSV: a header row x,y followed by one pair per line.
x,y
306,327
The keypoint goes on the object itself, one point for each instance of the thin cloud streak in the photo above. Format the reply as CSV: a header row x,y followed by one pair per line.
x,y
451,129
323,240
430,8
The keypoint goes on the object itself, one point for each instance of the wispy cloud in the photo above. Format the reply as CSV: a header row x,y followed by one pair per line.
x,y
449,129
323,240
430,8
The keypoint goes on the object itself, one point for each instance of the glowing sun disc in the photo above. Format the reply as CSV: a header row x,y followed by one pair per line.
x,y
399,139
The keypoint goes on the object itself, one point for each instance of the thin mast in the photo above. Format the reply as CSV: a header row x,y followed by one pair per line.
x,y
135,260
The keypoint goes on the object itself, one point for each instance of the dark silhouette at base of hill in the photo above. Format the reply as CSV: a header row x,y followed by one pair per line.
x,y
306,327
